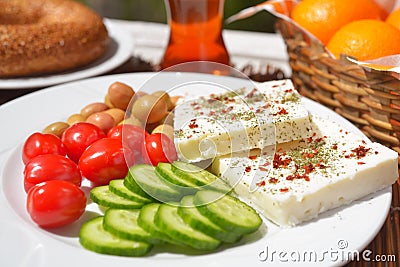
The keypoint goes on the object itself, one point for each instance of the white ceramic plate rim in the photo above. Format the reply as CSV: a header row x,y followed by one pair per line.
x,y
124,48
25,244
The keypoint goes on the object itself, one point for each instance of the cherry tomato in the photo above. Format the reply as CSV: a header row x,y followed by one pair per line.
x,y
50,167
55,203
105,160
132,137
40,144
159,148
78,137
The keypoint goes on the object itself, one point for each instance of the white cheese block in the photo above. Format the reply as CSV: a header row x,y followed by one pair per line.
x,y
304,178
239,120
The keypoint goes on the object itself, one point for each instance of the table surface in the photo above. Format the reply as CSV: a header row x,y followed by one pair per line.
x,y
247,49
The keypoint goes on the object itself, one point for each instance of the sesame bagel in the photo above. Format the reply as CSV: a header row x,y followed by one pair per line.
x,y
48,36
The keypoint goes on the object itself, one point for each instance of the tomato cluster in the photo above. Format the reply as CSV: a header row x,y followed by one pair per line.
x,y
55,167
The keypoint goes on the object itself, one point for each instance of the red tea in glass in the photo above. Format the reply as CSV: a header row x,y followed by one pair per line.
x,y
195,32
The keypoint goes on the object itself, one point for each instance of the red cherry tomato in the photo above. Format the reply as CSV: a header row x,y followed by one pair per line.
x,y
159,148
132,137
105,160
39,144
78,137
51,167
55,203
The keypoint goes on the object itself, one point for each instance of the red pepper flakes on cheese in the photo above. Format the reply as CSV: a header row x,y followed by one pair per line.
x,y
259,184
308,168
361,151
281,111
273,180
263,169
193,124
298,176
279,161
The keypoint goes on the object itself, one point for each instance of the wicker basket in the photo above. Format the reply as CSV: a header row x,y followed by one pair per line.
x,y
368,98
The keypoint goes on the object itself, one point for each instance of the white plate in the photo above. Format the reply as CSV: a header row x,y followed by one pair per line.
x,y
121,48
332,235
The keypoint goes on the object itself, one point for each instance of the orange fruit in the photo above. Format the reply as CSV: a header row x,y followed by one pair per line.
x,y
323,18
394,18
365,39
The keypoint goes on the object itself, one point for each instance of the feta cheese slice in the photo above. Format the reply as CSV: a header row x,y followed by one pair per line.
x,y
239,120
307,177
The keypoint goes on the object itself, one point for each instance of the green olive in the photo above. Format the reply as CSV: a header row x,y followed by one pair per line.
x,y
74,118
107,101
120,94
117,114
166,129
102,120
174,100
133,121
93,108
149,109
165,96
140,94
56,128
168,119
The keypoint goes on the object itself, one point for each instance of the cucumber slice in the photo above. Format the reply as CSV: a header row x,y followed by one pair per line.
x,y
198,221
117,187
104,197
94,237
165,171
168,220
200,177
228,212
123,223
131,184
146,221
146,177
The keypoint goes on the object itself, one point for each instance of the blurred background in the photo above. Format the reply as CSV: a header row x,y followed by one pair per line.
x,y
154,11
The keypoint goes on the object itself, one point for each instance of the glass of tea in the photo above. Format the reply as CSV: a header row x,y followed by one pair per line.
x,y
195,33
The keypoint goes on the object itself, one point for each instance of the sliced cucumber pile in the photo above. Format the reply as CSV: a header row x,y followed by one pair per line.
x,y
94,237
191,215
103,196
183,185
135,220
224,211
124,224
146,220
117,187
168,221
199,177
155,185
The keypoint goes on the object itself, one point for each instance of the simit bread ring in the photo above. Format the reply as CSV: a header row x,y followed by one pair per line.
x,y
48,36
